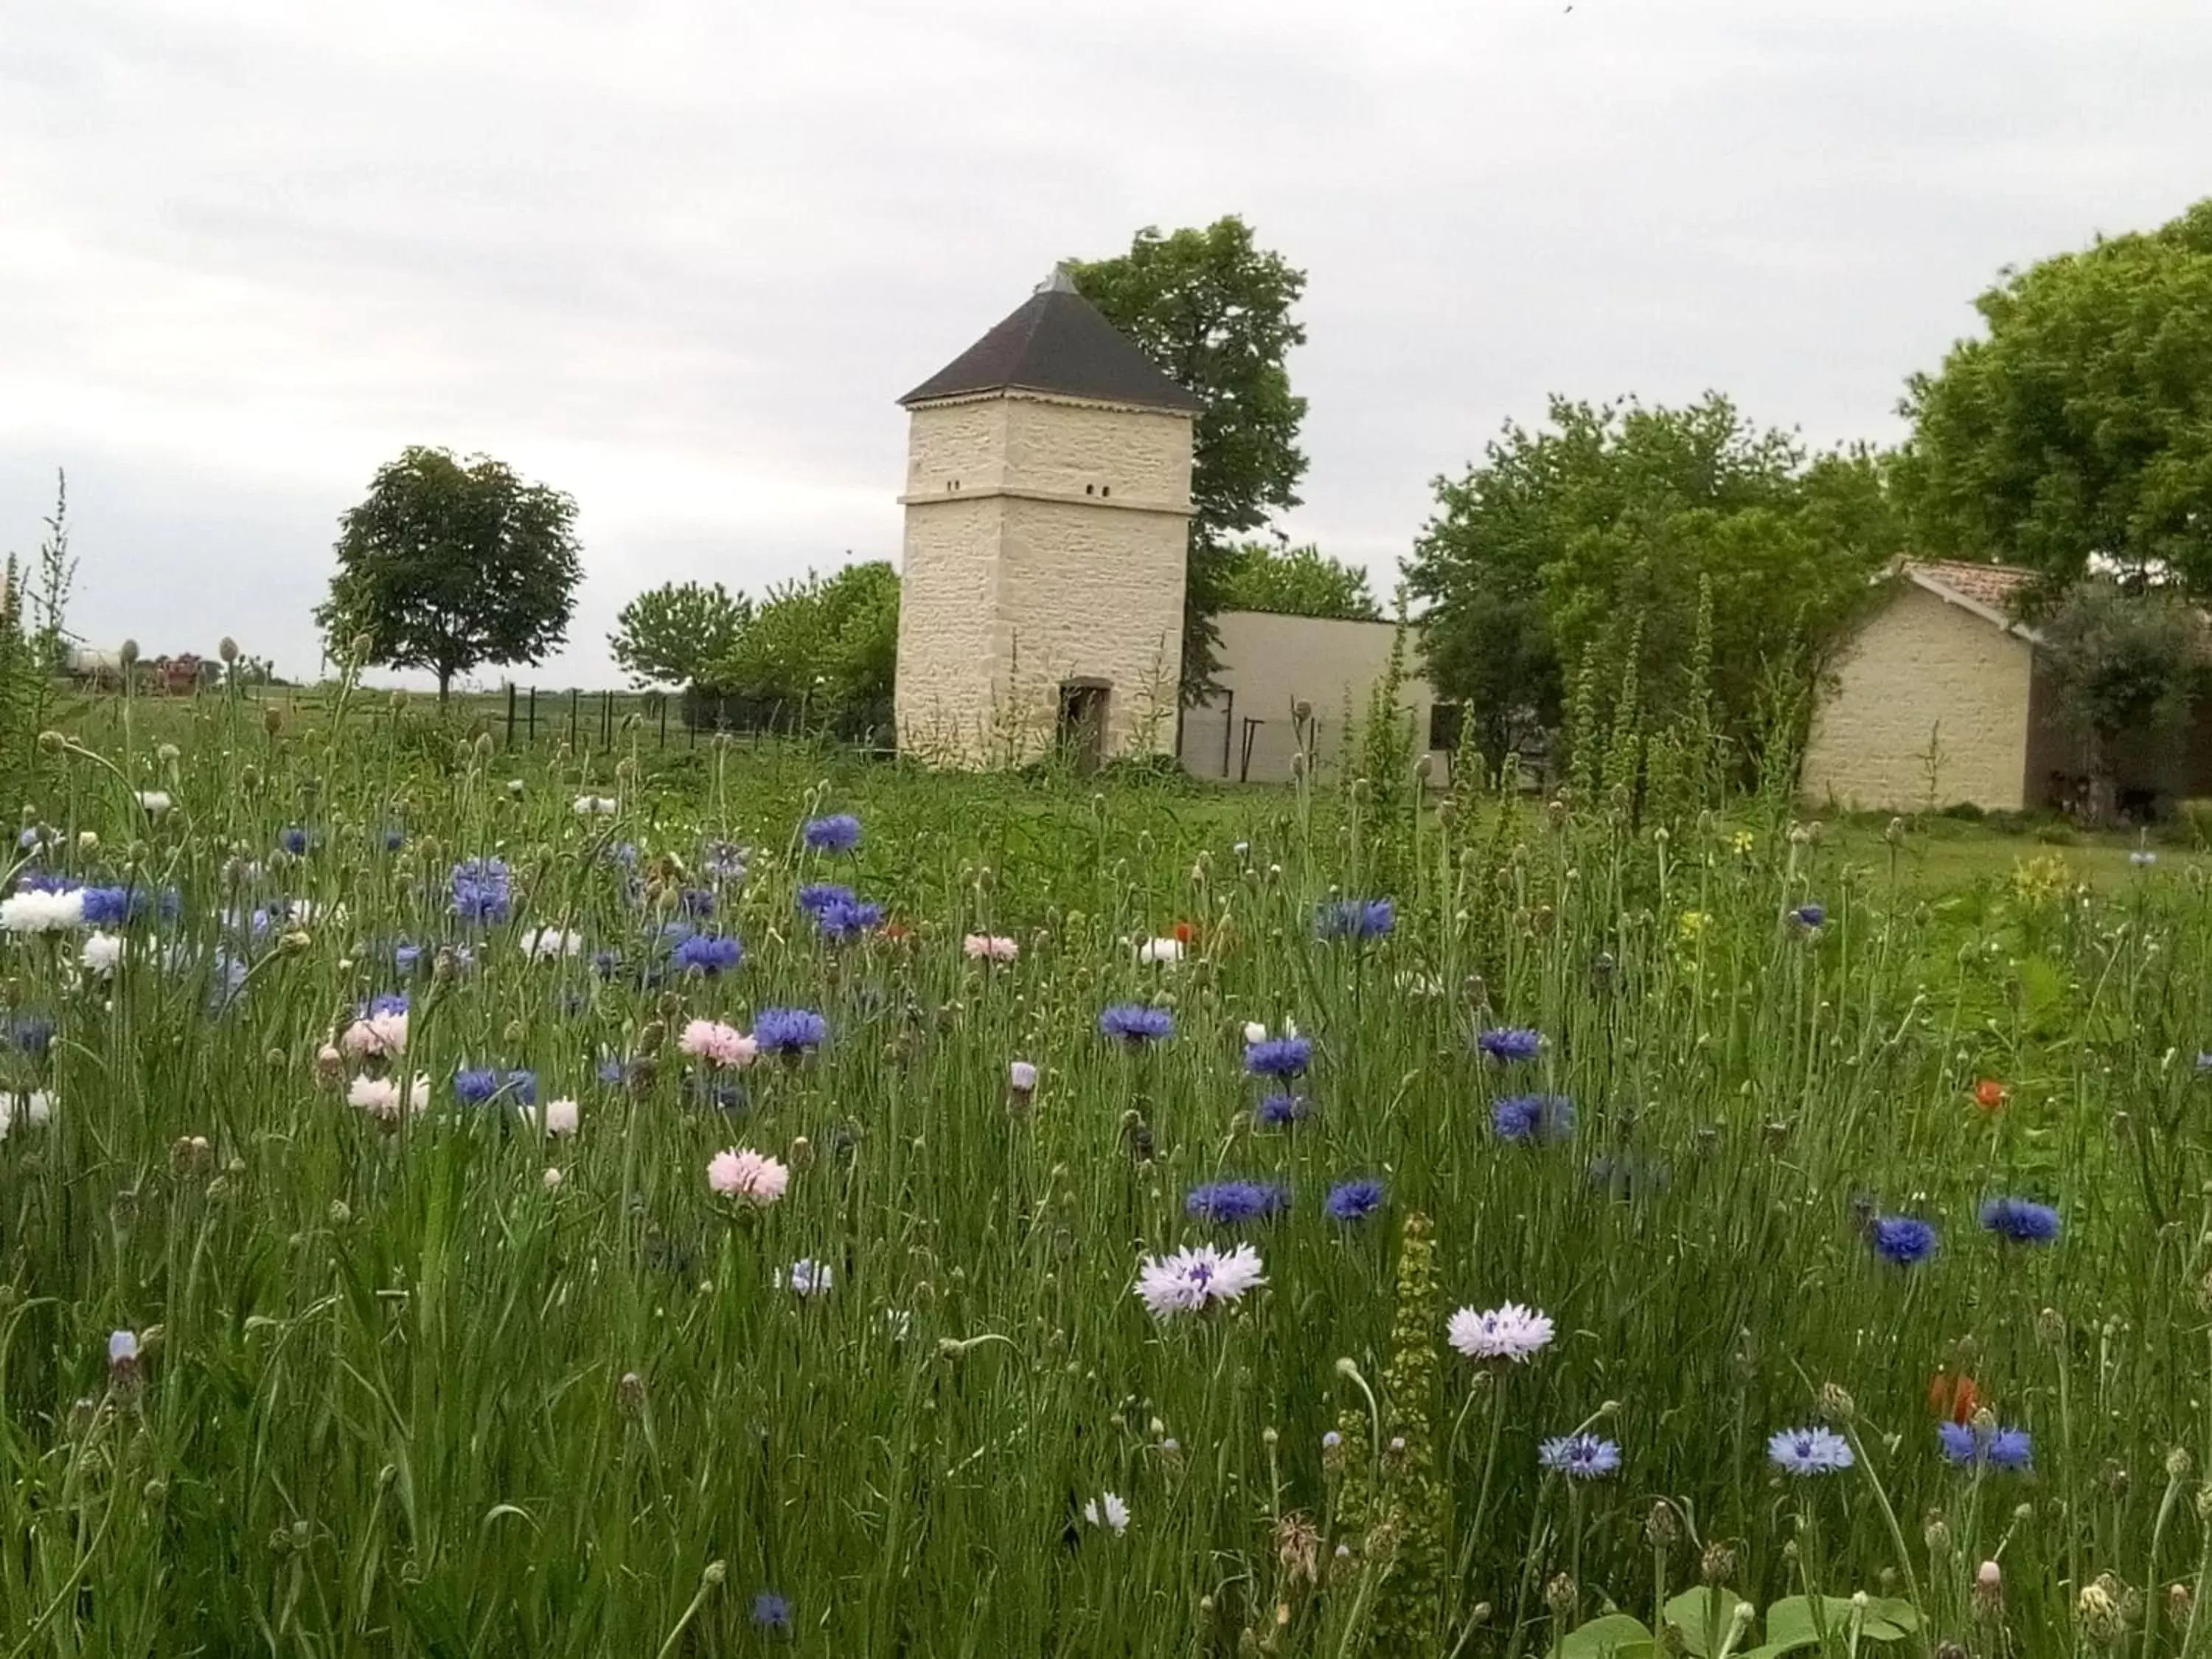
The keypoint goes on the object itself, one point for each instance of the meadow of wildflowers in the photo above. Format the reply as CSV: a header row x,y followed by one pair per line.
x,y
449,1208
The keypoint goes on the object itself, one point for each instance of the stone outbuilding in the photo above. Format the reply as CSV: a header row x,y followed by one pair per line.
x,y
1047,507
1247,733
1942,699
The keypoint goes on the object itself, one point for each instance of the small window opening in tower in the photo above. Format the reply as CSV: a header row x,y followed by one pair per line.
x,y
1105,489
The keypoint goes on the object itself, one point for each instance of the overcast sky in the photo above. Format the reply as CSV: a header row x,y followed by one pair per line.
x,y
677,256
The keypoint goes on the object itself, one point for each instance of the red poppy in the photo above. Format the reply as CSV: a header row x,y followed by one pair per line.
x,y
897,931
1989,1094
1953,1396
1186,933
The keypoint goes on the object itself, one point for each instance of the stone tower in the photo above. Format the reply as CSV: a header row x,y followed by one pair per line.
x,y
1048,500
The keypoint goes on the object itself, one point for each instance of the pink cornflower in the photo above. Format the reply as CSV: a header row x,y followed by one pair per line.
x,y
751,1176
378,1035
990,947
718,1044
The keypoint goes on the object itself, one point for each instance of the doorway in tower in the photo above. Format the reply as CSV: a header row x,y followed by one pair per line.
x,y
1082,733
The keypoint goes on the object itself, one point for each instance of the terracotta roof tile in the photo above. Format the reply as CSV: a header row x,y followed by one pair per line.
x,y
1997,585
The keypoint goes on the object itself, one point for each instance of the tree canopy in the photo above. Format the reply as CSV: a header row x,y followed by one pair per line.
x,y
2122,661
1214,310
670,634
824,651
1609,530
2079,428
446,565
1294,582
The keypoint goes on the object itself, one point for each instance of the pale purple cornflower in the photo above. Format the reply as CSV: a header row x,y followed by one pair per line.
x,y
1580,1456
1508,1332
1811,1451
1196,1278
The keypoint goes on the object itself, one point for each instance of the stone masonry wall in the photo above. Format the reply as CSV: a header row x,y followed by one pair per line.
x,y
1923,667
947,649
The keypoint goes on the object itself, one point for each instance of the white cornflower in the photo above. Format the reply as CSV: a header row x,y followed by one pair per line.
x,y
102,954
1192,1280
380,1098
1108,1510
552,1179
42,913
807,1278
1255,1032
549,943
1510,1331
561,1117
32,1111
597,807
1161,951
154,802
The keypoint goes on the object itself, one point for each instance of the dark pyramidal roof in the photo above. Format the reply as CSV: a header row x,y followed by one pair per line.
x,y
1059,342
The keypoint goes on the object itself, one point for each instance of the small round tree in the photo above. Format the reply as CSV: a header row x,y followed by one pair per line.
x,y
447,565
2121,661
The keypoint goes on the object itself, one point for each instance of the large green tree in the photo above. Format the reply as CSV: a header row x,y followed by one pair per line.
x,y
1294,582
670,634
2079,427
1214,310
2124,662
1606,530
448,564
822,651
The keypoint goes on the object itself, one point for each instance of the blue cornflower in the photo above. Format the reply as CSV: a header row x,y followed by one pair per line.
x,y
838,833
2020,1221
697,901
1226,1203
110,907
1279,1111
818,896
1580,1456
772,1611
708,954
1510,1043
2009,1449
841,920
1355,919
473,1088
32,1034
623,853
406,958
1808,1451
1283,1057
790,1032
723,860
484,891
394,839
293,839
385,1002
1809,916
1136,1024
1903,1239
1526,1118
615,1072
1354,1199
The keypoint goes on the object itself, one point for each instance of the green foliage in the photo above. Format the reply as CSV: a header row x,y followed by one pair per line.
x,y
825,650
2122,661
1621,531
1294,582
2078,427
1213,309
1705,1620
447,565
670,634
